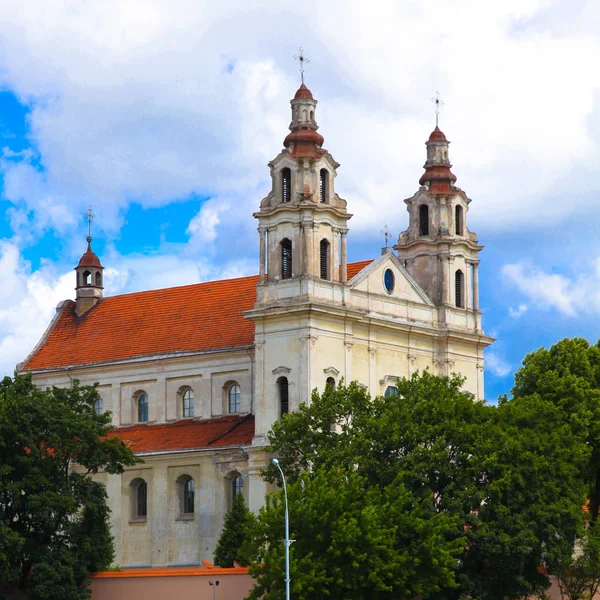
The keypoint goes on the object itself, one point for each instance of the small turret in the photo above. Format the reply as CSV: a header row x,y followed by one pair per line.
x,y
89,280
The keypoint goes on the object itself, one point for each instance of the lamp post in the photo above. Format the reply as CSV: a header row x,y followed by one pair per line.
x,y
214,585
287,534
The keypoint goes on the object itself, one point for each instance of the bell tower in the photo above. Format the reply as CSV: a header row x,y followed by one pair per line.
x,y
302,222
438,249
89,284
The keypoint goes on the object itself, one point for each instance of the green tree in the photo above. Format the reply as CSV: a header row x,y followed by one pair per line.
x,y
54,517
568,376
436,494
233,536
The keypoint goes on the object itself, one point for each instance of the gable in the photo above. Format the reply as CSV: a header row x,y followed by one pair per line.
x,y
370,280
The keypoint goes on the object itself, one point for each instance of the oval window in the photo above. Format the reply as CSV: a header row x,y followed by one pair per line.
x,y
388,280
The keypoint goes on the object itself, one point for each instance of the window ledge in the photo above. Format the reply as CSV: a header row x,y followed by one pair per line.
x,y
186,517
139,520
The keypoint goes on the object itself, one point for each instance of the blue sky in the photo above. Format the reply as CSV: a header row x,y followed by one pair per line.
x,y
163,116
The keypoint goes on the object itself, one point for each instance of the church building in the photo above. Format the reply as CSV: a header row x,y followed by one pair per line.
x,y
195,376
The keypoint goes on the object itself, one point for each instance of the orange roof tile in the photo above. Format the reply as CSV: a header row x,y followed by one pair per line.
x,y
191,318
231,430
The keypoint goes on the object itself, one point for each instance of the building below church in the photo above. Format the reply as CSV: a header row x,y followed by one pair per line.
x,y
195,376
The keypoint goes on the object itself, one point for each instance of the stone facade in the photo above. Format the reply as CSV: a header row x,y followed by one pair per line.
x,y
315,319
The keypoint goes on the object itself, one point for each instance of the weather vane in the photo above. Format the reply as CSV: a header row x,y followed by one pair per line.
x,y
302,60
385,232
438,104
89,215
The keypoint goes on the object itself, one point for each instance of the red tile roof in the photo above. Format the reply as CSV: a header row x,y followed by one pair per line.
x,y
231,430
191,318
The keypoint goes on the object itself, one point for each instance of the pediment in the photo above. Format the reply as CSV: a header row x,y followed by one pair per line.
x,y
371,280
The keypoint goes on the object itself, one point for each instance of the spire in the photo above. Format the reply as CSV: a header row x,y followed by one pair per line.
x,y
304,141
89,277
438,176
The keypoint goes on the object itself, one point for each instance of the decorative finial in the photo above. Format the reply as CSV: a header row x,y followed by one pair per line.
x,y
438,104
89,215
301,59
385,232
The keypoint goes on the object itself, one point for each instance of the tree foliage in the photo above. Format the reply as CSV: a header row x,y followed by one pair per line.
x,y
233,536
54,519
429,492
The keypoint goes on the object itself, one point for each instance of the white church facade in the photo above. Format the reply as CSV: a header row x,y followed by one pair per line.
x,y
195,376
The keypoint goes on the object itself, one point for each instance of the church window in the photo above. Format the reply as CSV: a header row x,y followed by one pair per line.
x,y
284,400
98,406
286,259
87,278
324,186
312,115
324,248
142,407
139,499
188,403
389,280
330,383
98,279
286,184
237,486
187,495
458,218
459,288
391,390
423,219
234,398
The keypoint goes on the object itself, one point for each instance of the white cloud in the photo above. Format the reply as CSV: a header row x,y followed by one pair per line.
x,y
570,296
496,364
517,311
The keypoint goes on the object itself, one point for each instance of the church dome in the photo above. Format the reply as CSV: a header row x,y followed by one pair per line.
x,y
437,135
89,258
303,93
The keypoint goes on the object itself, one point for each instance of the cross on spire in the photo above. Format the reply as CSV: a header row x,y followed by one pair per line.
x,y
89,215
385,232
301,60
438,105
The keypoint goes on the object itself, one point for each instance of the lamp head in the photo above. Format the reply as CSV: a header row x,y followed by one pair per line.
x,y
275,462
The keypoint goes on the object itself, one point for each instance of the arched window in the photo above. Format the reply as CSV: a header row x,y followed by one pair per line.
x,y
139,497
286,259
390,390
324,250
87,278
459,288
324,186
188,403
286,184
312,115
187,495
284,399
142,407
98,409
458,219
98,279
237,486
330,383
234,398
423,219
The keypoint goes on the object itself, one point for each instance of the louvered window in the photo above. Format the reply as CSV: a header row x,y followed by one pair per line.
x,y
459,288
458,218
286,259
324,185
286,184
423,219
284,403
324,259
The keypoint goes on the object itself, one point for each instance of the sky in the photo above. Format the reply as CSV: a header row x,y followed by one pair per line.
x,y
163,116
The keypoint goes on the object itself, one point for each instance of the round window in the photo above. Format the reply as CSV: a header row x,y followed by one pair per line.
x,y
388,280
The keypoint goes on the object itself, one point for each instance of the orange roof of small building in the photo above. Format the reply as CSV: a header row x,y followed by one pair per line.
x,y
192,318
188,434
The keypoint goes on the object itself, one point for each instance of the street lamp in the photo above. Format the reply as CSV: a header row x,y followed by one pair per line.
x,y
287,534
214,585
